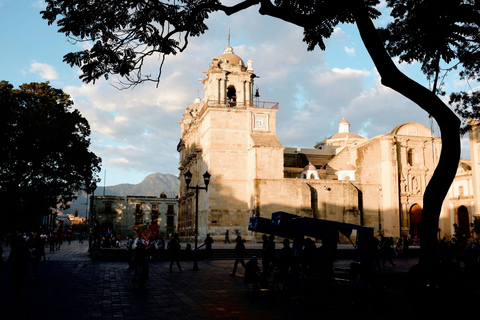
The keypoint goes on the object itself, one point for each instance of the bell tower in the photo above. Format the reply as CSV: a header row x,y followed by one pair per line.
x,y
229,82
234,138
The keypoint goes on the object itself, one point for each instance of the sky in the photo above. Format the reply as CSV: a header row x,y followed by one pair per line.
x,y
136,131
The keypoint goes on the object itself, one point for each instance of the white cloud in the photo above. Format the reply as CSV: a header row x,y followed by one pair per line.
x,y
45,71
119,161
120,120
339,35
39,4
337,74
350,51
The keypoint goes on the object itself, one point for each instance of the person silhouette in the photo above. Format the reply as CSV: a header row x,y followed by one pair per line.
x,y
208,247
18,261
174,252
227,237
239,255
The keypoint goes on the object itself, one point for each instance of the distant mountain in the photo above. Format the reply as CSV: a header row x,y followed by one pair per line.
x,y
153,185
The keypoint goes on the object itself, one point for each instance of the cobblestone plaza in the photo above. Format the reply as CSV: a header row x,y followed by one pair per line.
x,y
73,286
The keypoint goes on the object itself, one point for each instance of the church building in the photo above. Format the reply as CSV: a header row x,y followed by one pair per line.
x,y
377,182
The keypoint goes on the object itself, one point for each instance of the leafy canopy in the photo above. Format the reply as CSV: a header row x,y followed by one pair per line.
x,y
45,157
124,34
443,35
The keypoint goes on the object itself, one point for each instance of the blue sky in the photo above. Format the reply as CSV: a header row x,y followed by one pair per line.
x,y
136,132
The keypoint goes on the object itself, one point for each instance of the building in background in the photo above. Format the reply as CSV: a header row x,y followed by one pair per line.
x,y
120,213
377,182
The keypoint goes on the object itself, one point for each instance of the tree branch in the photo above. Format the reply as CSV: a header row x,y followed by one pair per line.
x,y
301,20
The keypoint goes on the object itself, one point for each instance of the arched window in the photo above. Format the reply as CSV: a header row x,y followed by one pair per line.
x,y
410,157
460,191
231,96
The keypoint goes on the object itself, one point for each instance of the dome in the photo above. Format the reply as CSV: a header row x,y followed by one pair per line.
x,y
229,58
348,166
344,131
412,129
309,172
344,135
310,166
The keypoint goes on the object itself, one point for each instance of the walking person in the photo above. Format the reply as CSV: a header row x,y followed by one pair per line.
x,y
18,260
52,240
174,252
59,240
388,251
240,252
129,253
160,246
141,264
152,249
81,237
270,255
208,247
227,237
38,252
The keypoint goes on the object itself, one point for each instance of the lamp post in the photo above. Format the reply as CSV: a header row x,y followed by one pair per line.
x,y
206,179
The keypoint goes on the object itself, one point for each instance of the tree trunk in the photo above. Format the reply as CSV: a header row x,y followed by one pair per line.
x,y
447,121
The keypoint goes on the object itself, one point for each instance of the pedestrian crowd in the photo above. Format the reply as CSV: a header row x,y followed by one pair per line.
x,y
297,265
107,239
25,249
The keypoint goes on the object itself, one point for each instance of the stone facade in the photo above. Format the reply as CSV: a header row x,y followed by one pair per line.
x,y
377,182
120,213
459,206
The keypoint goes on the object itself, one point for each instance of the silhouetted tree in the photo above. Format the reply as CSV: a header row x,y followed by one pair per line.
x,y
45,157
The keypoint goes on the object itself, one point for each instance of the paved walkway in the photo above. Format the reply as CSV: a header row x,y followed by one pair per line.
x,y
72,286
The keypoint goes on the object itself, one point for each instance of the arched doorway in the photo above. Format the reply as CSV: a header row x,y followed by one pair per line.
x,y
463,222
415,219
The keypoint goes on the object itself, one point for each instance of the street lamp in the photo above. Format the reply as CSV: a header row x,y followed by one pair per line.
x,y
188,179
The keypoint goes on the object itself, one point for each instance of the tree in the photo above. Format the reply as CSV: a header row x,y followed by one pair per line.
x,y
444,37
44,157
124,33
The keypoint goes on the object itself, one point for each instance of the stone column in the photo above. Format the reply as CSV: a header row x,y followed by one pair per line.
x,y
248,93
221,92
405,227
